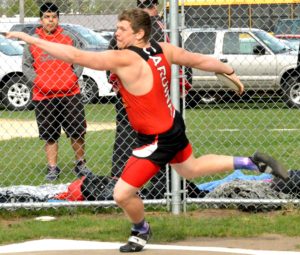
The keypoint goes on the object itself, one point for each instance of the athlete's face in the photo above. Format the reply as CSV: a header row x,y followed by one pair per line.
x,y
49,22
125,35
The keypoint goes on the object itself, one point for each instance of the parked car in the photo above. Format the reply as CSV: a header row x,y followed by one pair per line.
x,y
292,43
108,35
262,62
15,90
93,84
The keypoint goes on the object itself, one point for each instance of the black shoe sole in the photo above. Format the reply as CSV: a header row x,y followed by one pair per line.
x,y
131,247
272,166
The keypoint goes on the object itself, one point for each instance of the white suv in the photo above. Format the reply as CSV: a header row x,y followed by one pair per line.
x,y
14,87
262,62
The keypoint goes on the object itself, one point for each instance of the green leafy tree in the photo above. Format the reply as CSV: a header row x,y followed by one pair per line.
x,y
2,11
13,8
112,7
31,8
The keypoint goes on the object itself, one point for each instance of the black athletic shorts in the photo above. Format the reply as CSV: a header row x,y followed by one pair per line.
x,y
56,113
162,148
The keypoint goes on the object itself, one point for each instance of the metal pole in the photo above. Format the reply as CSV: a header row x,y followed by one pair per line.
x,y
21,11
175,95
182,27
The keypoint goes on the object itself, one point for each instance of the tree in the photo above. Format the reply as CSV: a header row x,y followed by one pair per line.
x,y
112,7
30,7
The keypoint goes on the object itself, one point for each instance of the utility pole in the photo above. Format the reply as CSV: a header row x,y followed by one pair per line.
x,y
21,11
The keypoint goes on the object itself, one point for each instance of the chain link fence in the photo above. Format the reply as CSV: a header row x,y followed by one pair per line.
x,y
242,34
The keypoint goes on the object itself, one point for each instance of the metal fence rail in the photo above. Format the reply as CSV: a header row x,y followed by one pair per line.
x,y
265,118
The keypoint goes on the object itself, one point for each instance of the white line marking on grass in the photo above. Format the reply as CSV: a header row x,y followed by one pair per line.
x,y
285,129
272,130
229,130
68,245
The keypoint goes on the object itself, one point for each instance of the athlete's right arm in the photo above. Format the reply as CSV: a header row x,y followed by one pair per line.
x,y
106,60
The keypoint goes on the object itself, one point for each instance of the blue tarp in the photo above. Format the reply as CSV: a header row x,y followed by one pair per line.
x,y
236,175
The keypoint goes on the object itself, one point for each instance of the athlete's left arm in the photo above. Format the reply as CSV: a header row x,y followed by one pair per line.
x,y
180,56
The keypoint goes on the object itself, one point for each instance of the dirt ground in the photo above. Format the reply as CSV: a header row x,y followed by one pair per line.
x,y
264,245
10,128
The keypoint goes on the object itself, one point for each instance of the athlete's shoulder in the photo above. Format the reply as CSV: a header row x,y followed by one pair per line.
x,y
169,50
165,46
122,57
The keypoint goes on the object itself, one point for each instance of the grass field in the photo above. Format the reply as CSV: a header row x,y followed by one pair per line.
x,y
238,129
113,226
235,130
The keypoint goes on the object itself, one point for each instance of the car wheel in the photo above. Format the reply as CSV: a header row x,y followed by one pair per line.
x,y
17,94
291,94
89,90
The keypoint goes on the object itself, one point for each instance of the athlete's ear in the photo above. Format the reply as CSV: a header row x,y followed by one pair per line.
x,y
140,34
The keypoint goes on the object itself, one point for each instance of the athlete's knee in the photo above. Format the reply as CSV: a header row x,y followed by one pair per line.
x,y
117,195
121,197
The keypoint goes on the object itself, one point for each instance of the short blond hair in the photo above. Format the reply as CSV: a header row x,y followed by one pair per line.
x,y
138,19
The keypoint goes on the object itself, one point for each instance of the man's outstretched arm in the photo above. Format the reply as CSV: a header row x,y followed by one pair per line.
x,y
180,56
95,60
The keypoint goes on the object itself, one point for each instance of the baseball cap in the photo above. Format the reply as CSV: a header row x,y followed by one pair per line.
x,y
146,3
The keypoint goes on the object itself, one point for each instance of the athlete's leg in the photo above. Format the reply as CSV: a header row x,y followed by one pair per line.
x,y
211,164
136,173
126,197
204,165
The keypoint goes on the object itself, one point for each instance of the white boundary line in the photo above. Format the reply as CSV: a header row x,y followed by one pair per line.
x,y
71,245
271,129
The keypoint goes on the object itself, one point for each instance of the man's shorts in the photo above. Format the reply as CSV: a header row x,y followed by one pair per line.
x,y
154,151
56,113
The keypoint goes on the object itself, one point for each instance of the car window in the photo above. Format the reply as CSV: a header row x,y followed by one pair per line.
x,y
294,43
238,43
93,39
28,28
272,42
231,43
107,35
201,42
86,36
10,48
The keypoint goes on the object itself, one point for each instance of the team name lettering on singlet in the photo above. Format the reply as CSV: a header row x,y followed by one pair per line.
x,y
162,72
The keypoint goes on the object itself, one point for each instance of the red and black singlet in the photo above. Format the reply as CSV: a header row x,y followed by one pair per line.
x,y
152,113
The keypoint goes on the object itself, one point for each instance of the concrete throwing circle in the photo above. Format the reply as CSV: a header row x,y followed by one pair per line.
x,y
75,247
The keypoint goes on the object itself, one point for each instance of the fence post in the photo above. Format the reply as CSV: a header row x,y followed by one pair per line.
x,y
175,179
21,9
